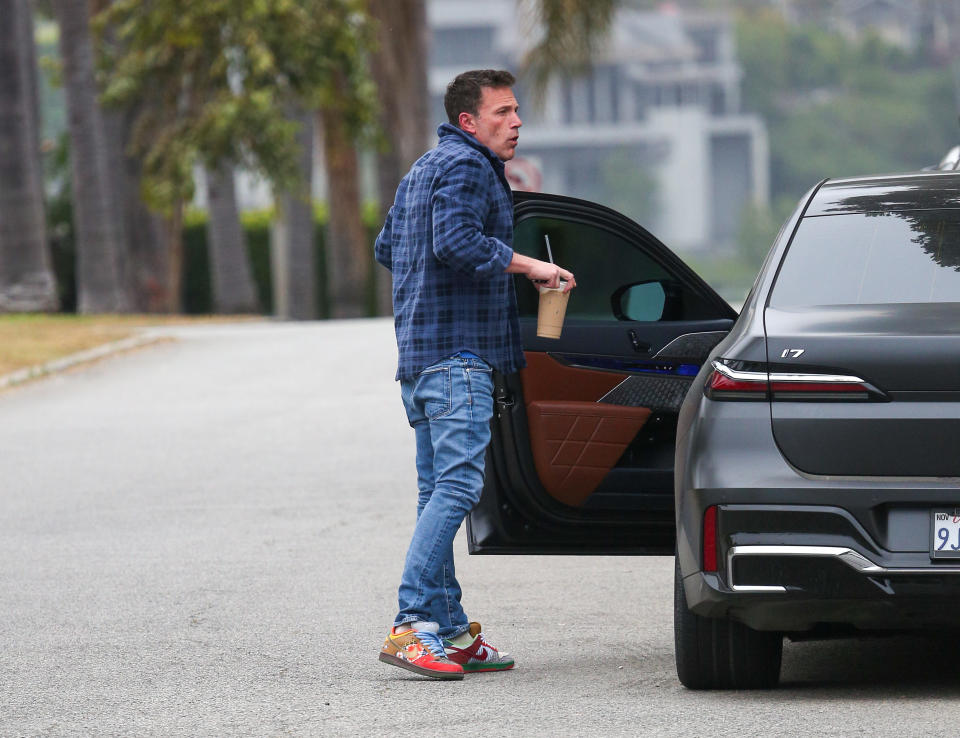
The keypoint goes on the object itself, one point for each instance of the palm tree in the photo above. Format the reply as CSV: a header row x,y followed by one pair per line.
x,y
569,32
146,257
233,290
399,67
99,229
26,277
293,264
347,249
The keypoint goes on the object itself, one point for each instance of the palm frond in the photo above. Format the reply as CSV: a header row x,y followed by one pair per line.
x,y
568,34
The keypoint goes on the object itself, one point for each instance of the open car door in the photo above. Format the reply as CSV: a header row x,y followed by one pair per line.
x,y
581,457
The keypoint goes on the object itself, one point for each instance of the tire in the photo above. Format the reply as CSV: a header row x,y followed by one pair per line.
x,y
718,653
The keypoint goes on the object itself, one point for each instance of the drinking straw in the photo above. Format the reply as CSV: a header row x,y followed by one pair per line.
x,y
549,252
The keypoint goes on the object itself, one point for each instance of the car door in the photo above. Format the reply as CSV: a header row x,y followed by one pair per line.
x,y
581,456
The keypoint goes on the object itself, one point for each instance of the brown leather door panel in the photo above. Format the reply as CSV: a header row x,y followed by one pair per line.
x,y
546,378
575,440
575,444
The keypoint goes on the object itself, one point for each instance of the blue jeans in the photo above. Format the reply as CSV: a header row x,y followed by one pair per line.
x,y
449,406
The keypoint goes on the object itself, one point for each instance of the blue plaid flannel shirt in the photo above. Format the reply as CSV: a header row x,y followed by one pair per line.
x,y
447,240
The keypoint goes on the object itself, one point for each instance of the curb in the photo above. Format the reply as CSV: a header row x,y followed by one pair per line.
x,y
81,357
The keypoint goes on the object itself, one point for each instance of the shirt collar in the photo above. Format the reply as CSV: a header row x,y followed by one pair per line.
x,y
447,130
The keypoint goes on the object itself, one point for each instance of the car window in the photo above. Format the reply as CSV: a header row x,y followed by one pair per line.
x,y
602,262
872,258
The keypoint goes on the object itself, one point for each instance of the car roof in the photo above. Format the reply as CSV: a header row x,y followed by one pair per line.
x,y
887,193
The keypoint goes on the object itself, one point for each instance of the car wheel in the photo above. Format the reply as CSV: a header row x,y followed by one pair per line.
x,y
718,653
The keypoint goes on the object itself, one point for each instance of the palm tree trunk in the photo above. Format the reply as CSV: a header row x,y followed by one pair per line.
x,y
172,231
27,283
293,264
147,255
399,68
145,258
232,282
100,241
347,246
25,17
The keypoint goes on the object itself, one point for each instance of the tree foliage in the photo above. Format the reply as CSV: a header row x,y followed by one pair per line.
x,y
214,81
840,107
835,107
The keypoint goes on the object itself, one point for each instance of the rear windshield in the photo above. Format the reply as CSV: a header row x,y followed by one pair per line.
x,y
871,258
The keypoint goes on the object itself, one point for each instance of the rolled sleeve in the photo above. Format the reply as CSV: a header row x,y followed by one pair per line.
x,y
458,222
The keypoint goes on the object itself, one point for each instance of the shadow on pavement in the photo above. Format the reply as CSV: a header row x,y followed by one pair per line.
x,y
904,663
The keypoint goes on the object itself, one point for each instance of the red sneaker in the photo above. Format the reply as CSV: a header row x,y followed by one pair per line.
x,y
478,655
420,650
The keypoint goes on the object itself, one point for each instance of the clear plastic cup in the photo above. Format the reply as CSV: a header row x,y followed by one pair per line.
x,y
552,309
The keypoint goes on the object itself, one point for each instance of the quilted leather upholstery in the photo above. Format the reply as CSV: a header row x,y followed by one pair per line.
x,y
576,443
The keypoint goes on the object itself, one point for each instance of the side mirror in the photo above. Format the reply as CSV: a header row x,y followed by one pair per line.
x,y
640,301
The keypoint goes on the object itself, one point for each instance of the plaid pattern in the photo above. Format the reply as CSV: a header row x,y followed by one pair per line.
x,y
447,239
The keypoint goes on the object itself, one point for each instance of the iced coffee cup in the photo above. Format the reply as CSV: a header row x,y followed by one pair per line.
x,y
553,306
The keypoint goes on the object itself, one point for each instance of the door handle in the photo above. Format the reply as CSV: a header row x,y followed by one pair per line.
x,y
639,346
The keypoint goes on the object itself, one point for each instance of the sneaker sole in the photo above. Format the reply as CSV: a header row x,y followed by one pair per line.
x,y
403,664
476,668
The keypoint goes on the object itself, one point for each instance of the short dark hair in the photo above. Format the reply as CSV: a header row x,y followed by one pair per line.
x,y
466,90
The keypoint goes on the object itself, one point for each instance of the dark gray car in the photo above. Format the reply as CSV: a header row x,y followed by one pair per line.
x,y
811,474
818,473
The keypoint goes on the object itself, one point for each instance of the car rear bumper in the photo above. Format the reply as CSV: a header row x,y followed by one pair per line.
x,y
909,604
798,551
798,567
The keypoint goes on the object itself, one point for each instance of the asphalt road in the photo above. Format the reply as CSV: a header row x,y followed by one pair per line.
x,y
204,537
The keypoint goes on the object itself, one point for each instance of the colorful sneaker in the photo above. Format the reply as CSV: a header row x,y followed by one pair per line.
x,y
477,655
419,650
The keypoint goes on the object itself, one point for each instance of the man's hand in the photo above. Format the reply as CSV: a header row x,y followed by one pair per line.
x,y
541,272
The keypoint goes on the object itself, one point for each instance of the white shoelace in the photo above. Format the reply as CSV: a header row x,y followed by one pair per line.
x,y
432,643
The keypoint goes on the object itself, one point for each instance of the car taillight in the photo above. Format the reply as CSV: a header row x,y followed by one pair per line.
x,y
710,539
727,383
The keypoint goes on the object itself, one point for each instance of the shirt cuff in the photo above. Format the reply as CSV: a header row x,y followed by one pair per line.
x,y
499,262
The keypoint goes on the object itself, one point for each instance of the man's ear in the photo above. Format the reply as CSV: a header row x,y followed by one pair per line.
x,y
467,123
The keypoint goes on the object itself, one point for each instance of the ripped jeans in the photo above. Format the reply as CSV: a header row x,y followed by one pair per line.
x,y
449,406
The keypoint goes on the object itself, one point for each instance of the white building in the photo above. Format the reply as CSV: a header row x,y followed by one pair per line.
x,y
659,115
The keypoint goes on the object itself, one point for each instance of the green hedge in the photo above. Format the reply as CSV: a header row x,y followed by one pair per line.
x,y
197,297
197,294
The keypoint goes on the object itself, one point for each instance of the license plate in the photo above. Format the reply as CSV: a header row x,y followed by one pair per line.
x,y
945,534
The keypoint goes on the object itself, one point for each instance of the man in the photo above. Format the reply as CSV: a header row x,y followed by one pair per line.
x,y
447,242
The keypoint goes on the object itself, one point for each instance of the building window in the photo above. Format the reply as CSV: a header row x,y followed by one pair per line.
x,y
642,99
707,44
606,94
690,94
578,100
718,100
471,46
437,111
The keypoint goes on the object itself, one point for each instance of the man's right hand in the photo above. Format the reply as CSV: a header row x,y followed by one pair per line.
x,y
541,272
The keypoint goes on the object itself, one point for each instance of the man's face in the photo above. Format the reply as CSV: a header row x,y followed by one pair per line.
x,y
496,124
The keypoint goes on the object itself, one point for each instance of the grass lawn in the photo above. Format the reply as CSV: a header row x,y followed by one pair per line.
x,y
29,340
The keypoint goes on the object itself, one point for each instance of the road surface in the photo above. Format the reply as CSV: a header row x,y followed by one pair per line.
x,y
204,537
